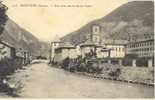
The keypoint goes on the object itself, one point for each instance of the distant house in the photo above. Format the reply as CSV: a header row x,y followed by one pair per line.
x,y
65,50
88,47
103,52
141,45
23,54
6,50
116,48
54,45
101,46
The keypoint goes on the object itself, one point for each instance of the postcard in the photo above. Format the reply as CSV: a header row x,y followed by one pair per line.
x,y
77,49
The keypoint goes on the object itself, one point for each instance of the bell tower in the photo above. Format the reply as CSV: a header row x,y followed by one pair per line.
x,y
96,34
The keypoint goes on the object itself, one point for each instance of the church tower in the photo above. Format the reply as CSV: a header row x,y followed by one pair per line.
x,y
96,34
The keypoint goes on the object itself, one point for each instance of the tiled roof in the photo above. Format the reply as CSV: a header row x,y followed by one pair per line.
x,y
89,43
115,42
66,45
141,37
7,44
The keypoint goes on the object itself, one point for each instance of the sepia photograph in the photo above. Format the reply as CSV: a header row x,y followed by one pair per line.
x,y
96,49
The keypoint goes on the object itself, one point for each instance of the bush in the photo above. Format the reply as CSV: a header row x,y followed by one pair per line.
x,y
65,63
110,70
8,66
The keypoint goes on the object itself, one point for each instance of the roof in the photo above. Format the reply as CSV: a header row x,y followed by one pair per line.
x,y
106,49
66,45
89,43
6,44
114,42
141,37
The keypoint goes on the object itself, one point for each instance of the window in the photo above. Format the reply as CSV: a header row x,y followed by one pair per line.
x,y
96,29
151,43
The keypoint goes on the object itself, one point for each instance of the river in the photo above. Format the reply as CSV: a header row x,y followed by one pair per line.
x,y
43,81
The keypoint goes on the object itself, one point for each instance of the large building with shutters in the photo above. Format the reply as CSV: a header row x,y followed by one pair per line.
x,y
141,45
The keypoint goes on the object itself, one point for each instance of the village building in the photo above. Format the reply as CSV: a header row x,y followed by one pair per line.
x,y
116,48
6,50
107,48
92,45
54,45
103,52
65,50
24,55
141,45
96,34
86,48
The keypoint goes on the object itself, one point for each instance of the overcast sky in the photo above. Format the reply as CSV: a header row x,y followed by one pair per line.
x,y
46,22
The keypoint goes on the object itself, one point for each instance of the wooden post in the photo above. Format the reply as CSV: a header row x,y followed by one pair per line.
x,y
50,53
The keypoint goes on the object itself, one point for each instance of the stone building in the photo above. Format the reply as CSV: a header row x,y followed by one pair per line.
x,y
96,34
116,48
6,50
107,47
141,45
65,50
54,45
24,55
87,47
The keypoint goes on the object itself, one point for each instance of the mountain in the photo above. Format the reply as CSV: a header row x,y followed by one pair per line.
x,y
45,49
136,17
20,38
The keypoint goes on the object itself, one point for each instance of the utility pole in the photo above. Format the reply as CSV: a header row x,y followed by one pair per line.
x,y
50,53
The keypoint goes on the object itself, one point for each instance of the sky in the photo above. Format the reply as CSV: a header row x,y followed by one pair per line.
x,y
45,21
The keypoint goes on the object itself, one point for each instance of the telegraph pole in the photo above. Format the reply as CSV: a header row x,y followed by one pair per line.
x,y
50,53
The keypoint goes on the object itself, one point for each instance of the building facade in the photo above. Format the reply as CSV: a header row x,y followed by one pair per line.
x,y
96,34
87,48
53,46
116,48
65,50
141,45
24,55
109,47
6,50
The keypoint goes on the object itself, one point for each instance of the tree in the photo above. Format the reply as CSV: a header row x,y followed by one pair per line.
x,y
3,16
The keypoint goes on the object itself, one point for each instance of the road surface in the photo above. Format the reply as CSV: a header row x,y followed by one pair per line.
x,y
42,81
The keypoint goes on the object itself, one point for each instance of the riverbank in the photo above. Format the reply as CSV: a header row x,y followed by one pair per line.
x,y
44,81
135,75
7,68
108,78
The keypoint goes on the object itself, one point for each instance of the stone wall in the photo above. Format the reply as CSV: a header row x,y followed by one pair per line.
x,y
137,74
